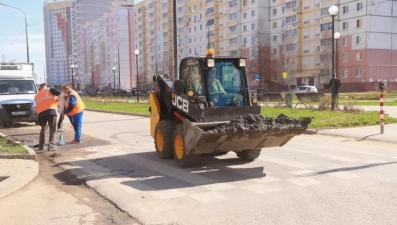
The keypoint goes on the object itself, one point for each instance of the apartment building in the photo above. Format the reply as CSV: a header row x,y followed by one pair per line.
x,y
301,42
107,48
229,27
57,41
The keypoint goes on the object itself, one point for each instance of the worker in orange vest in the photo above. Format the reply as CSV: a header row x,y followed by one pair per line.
x,y
46,108
74,108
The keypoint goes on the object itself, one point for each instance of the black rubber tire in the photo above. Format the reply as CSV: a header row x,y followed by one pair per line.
x,y
185,160
166,127
249,155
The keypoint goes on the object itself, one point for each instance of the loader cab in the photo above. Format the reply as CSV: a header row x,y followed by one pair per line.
x,y
222,85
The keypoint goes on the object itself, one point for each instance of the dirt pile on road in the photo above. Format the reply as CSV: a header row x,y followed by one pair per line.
x,y
258,123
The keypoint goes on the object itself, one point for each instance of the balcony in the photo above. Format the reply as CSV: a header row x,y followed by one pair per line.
x,y
233,47
232,22
232,35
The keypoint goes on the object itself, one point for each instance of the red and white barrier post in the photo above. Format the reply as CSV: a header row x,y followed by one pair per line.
x,y
382,115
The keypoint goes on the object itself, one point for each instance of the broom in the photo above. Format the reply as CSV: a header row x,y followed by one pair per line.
x,y
60,139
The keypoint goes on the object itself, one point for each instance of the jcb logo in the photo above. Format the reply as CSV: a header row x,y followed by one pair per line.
x,y
180,103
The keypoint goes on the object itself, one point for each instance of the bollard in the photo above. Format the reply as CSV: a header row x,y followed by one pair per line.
x,y
382,116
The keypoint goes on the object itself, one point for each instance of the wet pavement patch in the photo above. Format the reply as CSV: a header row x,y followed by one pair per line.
x,y
3,178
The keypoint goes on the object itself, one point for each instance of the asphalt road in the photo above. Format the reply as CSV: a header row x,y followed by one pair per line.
x,y
313,179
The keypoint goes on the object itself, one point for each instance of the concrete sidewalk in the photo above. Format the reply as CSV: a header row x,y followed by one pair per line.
x,y
371,133
15,174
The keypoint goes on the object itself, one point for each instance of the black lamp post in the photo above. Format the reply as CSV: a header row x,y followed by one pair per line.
x,y
114,77
136,52
73,66
333,11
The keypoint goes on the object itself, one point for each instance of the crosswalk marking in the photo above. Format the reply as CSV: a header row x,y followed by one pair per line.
x,y
259,189
303,181
208,197
285,162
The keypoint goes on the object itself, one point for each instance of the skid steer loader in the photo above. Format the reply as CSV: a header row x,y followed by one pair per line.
x,y
209,110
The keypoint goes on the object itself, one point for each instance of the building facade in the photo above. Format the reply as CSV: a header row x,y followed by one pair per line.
x,y
58,45
301,42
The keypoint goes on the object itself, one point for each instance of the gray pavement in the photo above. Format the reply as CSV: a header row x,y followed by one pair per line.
x,y
15,173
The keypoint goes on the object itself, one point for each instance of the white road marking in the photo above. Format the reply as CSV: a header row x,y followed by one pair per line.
x,y
208,197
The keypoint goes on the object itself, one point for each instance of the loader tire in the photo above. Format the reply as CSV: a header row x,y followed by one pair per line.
x,y
163,139
249,155
181,158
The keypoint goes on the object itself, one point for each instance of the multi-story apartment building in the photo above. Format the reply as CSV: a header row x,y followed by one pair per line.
x,y
107,49
82,11
57,41
231,28
301,42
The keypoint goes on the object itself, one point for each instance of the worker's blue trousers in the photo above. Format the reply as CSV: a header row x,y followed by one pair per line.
x,y
77,122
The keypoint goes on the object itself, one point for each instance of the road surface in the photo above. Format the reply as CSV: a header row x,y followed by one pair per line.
x,y
313,179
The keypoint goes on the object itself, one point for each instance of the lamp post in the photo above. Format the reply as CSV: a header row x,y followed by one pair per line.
x,y
26,28
136,52
114,77
73,66
333,11
336,37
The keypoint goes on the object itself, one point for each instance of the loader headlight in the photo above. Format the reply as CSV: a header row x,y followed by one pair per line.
x,y
254,101
210,62
242,62
190,93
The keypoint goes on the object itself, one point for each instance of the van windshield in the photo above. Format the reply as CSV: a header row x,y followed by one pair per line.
x,y
13,87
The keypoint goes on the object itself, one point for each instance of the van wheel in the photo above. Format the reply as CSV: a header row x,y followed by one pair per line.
x,y
249,155
181,158
163,139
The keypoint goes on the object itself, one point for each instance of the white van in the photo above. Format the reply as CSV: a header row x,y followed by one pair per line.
x,y
17,91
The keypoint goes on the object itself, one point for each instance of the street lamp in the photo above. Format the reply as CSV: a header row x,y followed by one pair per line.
x,y
114,77
136,52
333,11
73,66
26,27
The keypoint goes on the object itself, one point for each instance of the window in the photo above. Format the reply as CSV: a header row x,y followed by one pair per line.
x,y
324,11
326,42
345,25
275,76
233,29
326,26
245,2
232,3
325,57
358,39
274,51
245,15
359,6
344,58
290,19
290,33
358,56
253,26
245,28
274,24
345,9
275,11
233,41
358,72
291,4
345,42
233,16
274,64
253,13
274,37
345,73
359,23
291,47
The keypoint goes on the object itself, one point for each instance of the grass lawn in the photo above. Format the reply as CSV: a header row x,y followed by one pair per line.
x,y
320,119
9,147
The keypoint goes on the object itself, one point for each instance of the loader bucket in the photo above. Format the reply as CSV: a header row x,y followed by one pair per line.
x,y
242,133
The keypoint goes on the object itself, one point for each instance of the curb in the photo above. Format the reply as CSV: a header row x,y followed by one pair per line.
x,y
358,138
119,113
31,153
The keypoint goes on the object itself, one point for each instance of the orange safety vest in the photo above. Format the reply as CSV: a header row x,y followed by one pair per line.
x,y
79,107
45,100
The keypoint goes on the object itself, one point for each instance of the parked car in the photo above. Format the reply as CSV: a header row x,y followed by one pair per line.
x,y
305,89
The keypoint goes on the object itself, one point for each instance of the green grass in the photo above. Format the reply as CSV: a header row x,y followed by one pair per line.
x,y
9,147
320,119
107,104
329,119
